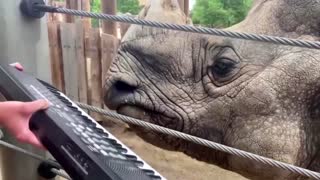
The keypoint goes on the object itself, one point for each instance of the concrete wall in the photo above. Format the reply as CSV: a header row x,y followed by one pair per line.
x,y
25,41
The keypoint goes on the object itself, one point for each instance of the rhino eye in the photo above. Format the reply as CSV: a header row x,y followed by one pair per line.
x,y
223,69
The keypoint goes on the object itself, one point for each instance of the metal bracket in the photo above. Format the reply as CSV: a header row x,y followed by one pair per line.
x,y
27,7
44,170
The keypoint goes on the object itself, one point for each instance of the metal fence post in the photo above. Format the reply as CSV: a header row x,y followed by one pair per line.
x,y
26,41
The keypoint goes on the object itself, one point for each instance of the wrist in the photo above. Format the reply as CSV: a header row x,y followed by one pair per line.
x,y
4,112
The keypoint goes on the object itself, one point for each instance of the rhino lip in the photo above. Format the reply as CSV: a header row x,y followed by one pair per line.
x,y
149,114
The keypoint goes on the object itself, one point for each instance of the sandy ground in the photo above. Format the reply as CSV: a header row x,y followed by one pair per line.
x,y
172,165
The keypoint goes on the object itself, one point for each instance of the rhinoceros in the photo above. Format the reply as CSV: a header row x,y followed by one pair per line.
x,y
259,97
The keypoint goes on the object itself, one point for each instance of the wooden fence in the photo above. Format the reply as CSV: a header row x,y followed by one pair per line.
x,y
80,58
81,55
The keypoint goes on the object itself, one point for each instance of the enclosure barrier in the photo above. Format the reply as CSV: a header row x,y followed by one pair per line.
x,y
37,9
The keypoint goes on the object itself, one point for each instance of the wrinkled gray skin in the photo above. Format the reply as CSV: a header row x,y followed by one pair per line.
x,y
259,97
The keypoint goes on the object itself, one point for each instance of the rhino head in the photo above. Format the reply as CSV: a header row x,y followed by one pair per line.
x,y
258,97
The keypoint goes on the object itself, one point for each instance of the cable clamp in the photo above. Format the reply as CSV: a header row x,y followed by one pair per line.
x,y
45,170
29,8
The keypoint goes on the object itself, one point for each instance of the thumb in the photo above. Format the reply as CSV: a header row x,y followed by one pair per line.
x,y
36,105
17,66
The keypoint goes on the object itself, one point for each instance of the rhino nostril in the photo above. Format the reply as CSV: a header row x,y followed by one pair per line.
x,y
122,86
119,92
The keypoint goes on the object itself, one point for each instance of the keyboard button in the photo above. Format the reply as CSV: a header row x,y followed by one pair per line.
x,y
79,130
122,150
93,149
89,129
104,153
85,140
105,143
118,156
91,140
108,148
84,135
74,125
148,171
76,132
97,146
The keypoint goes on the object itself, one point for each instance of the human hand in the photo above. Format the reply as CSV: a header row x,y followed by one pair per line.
x,y
17,66
15,117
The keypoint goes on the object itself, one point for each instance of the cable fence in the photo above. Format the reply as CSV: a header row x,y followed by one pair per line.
x,y
174,133
185,28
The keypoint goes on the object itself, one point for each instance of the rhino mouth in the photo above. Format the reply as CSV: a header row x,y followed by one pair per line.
x,y
124,96
147,112
152,116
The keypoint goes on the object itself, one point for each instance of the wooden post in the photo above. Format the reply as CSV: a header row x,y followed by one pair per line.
x,y
71,4
85,6
81,62
186,7
26,41
69,54
92,50
181,4
109,46
109,7
56,17
56,56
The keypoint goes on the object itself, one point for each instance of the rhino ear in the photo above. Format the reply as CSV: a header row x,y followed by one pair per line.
x,y
287,18
166,11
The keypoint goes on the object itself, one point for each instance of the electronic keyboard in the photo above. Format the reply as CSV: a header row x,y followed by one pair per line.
x,y
84,149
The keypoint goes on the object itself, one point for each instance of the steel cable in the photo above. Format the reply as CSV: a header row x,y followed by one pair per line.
x,y
35,156
204,142
186,28
59,173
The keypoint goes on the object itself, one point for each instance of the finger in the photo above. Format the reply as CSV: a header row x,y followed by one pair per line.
x,y
17,66
35,142
29,138
31,107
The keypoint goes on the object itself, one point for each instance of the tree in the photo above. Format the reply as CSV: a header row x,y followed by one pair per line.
x,y
220,13
128,6
123,6
95,7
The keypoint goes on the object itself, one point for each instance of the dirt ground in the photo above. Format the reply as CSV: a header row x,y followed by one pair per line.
x,y
171,165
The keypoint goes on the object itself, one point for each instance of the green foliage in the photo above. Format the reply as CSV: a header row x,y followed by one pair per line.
x,y
220,13
95,7
128,6
123,6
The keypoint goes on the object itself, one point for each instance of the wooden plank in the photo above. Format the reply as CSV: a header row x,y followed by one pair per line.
x,y
92,50
81,62
56,16
56,56
69,55
109,7
181,4
85,6
109,46
71,4
186,7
